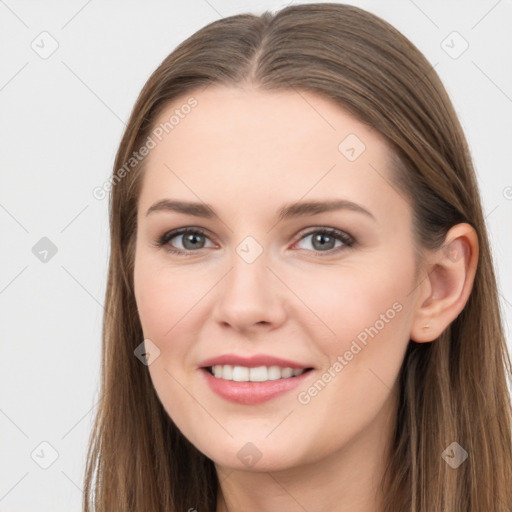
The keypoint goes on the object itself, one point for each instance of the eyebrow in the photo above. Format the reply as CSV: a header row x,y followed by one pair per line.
x,y
298,209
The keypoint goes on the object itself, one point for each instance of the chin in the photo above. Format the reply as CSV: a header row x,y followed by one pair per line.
x,y
241,454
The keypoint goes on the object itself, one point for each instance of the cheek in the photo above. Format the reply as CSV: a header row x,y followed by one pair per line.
x,y
354,302
164,297
165,302
368,315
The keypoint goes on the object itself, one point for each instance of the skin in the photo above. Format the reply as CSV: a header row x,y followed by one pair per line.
x,y
247,153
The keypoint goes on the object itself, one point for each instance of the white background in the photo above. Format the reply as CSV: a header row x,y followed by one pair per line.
x,y
61,122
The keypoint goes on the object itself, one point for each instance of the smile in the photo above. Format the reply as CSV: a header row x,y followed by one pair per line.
x,y
253,379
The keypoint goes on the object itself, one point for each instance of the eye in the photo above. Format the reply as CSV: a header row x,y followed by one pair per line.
x,y
190,239
325,239
194,239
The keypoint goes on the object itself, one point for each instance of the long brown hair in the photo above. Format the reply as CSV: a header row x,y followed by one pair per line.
x,y
451,390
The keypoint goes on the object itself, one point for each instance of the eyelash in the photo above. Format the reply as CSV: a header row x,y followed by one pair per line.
x,y
347,240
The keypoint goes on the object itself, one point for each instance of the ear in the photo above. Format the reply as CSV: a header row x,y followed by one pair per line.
x,y
446,286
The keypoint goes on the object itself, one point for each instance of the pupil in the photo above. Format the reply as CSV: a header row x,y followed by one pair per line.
x,y
320,238
191,238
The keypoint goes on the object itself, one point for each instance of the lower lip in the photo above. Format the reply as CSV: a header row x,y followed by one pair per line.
x,y
250,393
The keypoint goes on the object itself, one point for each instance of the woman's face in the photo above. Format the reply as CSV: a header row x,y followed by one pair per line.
x,y
304,259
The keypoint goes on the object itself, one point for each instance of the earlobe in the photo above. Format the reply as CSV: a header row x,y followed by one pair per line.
x,y
447,285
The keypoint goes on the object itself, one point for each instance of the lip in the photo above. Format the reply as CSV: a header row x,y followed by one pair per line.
x,y
252,361
252,393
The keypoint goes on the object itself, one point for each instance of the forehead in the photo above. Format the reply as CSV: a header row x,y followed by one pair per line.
x,y
264,146
267,123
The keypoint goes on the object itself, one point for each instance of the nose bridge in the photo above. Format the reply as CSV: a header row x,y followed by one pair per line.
x,y
249,276
250,292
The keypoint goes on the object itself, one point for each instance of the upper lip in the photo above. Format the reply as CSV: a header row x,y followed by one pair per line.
x,y
252,361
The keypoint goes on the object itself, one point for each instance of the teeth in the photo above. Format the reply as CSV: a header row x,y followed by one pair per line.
x,y
258,374
287,372
240,373
227,372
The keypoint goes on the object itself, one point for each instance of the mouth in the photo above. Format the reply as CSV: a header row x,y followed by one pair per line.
x,y
254,374
253,381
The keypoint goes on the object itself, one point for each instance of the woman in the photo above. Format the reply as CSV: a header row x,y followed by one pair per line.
x,y
302,311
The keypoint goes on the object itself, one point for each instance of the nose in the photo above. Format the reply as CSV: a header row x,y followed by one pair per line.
x,y
250,297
